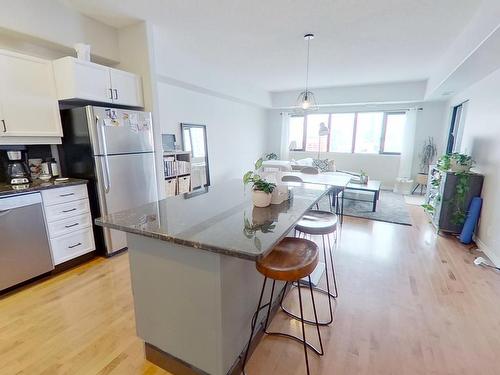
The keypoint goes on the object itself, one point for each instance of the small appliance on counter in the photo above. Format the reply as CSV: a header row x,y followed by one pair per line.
x,y
17,169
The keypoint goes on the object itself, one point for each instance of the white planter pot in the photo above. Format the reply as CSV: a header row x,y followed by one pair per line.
x,y
261,199
280,194
459,168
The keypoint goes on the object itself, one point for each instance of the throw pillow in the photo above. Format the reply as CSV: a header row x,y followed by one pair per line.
x,y
331,166
322,165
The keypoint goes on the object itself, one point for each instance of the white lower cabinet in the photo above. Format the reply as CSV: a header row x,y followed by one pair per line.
x,y
72,245
69,223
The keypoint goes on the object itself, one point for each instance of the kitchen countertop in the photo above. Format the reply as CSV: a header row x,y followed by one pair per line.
x,y
37,185
223,220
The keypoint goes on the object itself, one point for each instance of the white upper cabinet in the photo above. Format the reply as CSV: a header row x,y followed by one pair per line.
x,y
82,80
28,98
77,79
127,88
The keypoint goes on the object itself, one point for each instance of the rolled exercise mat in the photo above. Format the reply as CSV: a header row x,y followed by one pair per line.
x,y
471,220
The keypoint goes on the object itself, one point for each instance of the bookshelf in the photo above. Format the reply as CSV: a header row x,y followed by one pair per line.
x,y
177,171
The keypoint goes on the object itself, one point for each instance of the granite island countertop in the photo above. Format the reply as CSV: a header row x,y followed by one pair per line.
x,y
36,185
222,220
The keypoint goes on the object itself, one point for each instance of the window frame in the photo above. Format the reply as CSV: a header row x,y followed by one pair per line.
x,y
354,133
384,131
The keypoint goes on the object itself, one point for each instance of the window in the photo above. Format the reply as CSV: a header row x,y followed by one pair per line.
x,y
360,132
296,133
314,141
368,131
394,131
342,128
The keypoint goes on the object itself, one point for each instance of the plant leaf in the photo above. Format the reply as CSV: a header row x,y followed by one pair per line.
x,y
258,164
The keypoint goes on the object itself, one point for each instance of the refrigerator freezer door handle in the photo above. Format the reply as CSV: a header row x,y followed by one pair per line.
x,y
106,162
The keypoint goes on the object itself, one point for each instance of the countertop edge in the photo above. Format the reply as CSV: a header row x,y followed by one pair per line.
x,y
38,188
201,246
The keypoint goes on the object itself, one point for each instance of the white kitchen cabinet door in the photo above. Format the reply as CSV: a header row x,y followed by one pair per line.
x,y
127,88
78,79
28,98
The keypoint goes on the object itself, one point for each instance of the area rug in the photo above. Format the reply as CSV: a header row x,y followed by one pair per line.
x,y
391,207
415,200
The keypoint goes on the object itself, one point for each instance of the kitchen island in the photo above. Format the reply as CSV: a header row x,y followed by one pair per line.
x,y
194,280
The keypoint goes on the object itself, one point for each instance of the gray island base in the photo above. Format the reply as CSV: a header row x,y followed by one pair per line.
x,y
194,280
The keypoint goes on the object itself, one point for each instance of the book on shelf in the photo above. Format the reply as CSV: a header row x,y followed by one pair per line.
x,y
169,166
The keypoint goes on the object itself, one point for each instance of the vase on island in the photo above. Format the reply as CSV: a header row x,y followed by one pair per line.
x,y
261,198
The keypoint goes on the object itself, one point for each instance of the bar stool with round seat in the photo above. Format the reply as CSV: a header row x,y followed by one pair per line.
x,y
289,261
324,224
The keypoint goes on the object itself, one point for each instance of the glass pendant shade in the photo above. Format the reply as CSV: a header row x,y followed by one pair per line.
x,y
306,101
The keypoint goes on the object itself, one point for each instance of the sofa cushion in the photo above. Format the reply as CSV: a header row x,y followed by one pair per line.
x,y
322,165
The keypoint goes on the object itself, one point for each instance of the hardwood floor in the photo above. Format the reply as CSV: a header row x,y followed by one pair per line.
x,y
410,303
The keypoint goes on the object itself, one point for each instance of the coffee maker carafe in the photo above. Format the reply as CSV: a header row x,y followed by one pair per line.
x,y
17,170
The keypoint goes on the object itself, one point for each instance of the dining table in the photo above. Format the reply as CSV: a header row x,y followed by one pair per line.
x,y
337,181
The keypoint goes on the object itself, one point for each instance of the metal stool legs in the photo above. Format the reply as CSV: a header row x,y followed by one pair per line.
x,y
302,340
331,295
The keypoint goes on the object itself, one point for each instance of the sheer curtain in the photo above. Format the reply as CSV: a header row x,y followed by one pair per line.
x,y
285,132
406,160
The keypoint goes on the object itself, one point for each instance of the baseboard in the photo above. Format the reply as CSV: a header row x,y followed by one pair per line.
x,y
495,259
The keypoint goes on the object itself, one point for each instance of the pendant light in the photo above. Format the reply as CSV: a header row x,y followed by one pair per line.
x,y
306,102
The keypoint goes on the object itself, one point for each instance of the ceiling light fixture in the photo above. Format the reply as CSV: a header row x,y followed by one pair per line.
x,y
306,100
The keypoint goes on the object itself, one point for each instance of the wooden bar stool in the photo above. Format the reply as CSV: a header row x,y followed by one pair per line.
x,y
324,224
289,261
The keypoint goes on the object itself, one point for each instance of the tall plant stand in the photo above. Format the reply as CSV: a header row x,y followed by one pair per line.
x,y
421,180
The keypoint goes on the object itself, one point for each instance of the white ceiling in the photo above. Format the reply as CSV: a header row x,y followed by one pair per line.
x,y
260,41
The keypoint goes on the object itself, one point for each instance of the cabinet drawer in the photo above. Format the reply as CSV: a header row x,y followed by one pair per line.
x,y
64,194
71,224
65,210
72,245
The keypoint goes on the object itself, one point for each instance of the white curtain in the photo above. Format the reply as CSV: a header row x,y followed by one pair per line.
x,y
406,160
285,132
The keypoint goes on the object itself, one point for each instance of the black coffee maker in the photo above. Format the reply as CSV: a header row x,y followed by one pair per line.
x,y
17,170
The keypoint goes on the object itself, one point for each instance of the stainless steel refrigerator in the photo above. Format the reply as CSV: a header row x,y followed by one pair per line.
x,y
113,149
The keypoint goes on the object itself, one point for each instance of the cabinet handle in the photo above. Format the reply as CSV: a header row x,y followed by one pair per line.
x,y
72,225
116,93
4,126
66,195
73,209
75,245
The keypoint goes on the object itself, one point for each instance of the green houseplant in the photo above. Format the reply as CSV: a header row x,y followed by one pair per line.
x,y
261,189
271,156
460,165
427,155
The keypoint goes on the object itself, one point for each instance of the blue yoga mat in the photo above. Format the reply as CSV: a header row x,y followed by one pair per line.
x,y
471,221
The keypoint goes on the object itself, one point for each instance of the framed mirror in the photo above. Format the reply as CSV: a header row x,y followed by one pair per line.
x,y
194,140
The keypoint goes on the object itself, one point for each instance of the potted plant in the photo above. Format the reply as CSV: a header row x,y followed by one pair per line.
x,y
427,155
271,156
261,189
456,162
363,177
460,163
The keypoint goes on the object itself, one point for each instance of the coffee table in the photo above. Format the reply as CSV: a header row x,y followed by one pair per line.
x,y
372,187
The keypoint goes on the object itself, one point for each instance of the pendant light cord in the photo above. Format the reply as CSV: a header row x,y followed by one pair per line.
x,y
307,65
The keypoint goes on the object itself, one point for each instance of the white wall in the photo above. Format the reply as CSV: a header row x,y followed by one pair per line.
x,y
481,139
53,25
431,122
236,132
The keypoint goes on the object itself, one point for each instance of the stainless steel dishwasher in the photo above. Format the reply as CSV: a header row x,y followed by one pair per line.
x,y
24,246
